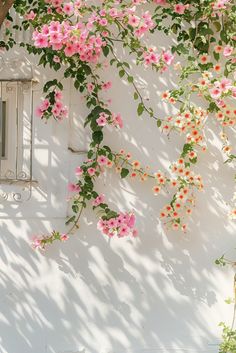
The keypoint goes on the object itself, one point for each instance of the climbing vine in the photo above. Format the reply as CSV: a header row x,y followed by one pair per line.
x,y
82,37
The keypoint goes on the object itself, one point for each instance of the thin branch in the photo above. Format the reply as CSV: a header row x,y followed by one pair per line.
x,y
4,8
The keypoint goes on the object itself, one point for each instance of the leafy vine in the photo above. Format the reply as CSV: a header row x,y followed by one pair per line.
x,y
81,37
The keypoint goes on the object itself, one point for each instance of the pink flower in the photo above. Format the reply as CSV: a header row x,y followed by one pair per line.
x,y
168,57
106,85
133,21
102,12
101,121
102,160
180,8
78,171
74,188
106,231
113,12
64,237
112,223
39,112
45,104
225,84
56,112
36,243
69,49
56,59
215,92
64,112
228,50
90,87
101,224
91,171
131,221
103,22
58,105
123,231
58,95
41,41
30,16
68,8
55,38
99,199
117,119
220,4
160,2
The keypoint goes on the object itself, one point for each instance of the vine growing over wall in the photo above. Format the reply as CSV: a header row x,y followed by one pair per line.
x,y
80,36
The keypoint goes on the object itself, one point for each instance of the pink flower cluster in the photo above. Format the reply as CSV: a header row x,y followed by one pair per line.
x,y
58,110
122,226
221,87
115,120
72,40
67,8
40,243
140,24
152,58
220,4
178,8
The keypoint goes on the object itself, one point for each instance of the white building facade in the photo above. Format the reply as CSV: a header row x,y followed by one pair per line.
x,y
160,292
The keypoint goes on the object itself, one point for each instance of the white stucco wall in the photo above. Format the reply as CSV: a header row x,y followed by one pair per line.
x,y
158,293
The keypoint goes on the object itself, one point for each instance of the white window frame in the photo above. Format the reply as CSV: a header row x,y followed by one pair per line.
x,y
16,165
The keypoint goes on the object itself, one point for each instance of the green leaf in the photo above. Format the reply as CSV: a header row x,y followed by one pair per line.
x,y
126,64
124,173
213,107
71,219
130,79
223,36
121,73
159,122
42,59
107,148
105,50
186,148
217,26
76,84
111,214
87,69
193,160
90,154
175,28
140,109
135,95
97,137
192,33
216,56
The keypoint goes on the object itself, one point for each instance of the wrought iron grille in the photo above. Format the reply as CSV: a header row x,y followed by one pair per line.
x,y
16,135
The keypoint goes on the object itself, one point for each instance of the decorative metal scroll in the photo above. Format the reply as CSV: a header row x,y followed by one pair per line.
x,y
16,138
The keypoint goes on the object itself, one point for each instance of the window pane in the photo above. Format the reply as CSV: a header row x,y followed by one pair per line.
x,y
3,126
4,129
